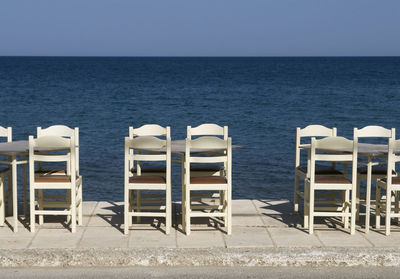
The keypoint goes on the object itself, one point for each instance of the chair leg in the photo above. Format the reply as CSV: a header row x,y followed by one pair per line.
x,y
228,220
353,212
187,210
2,212
346,202
358,198
396,205
131,198
168,210
32,208
378,205
138,204
25,186
296,196
126,211
40,202
311,211
388,211
306,207
80,208
73,211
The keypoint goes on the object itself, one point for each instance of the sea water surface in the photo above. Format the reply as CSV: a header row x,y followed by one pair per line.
x,y
262,100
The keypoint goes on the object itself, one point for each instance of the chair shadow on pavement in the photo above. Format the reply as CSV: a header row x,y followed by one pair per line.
x,y
281,214
115,218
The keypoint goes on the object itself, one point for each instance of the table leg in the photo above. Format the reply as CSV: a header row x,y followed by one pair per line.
x,y
14,194
368,195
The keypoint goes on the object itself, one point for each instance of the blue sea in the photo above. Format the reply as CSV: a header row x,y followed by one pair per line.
x,y
262,100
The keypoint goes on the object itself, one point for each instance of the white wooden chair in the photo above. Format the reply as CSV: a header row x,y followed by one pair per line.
x,y
327,183
391,183
222,154
4,173
301,170
147,149
376,171
41,181
66,132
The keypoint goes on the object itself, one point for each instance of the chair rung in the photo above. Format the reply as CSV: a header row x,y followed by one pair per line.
x,y
206,207
332,214
207,214
147,214
146,207
52,212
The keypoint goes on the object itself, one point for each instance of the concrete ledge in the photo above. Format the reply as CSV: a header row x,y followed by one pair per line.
x,y
267,257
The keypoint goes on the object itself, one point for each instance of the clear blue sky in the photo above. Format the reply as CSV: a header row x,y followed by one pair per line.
x,y
200,28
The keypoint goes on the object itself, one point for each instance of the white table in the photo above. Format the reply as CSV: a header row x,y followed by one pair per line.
x,y
368,150
14,150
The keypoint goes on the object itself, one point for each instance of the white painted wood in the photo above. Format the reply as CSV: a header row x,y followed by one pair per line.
x,y
7,134
149,143
370,132
225,155
307,132
336,144
52,142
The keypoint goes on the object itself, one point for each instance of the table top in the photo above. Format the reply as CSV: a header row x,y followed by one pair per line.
x,y
22,146
367,149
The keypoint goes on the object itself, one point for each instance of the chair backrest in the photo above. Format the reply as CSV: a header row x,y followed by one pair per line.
x,y
150,130
207,129
48,148
311,131
374,132
334,149
393,157
149,149
209,150
62,131
6,133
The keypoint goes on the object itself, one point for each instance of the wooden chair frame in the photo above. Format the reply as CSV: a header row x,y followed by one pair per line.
x,y
48,181
224,147
391,183
315,182
4,173
370,132
140,149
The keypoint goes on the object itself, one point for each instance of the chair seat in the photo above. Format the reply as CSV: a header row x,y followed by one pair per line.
x,y
375,170
208,180
332,180
149,169
205,168
395,180
4,169
322,170
147,180
49,178
54,171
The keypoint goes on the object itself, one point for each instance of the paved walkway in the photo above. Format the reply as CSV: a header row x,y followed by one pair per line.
x,y
266,226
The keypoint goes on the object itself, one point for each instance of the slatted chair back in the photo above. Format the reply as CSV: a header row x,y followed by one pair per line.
x,y
208,129
194,148
393,157
63,131
311,131
346,152
149,149
375,132
6,133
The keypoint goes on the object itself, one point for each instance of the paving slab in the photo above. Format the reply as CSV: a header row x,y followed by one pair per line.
x,y
103,237
57,238
273,206
292,237
201,239
251,237
151,238
379,239
337,238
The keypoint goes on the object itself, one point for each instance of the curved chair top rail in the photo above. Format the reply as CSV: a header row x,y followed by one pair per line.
x,y
208,129
150,130
207,142
394,145
375,132
332,143
316,131
56,130
50,142
6,132
145,142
